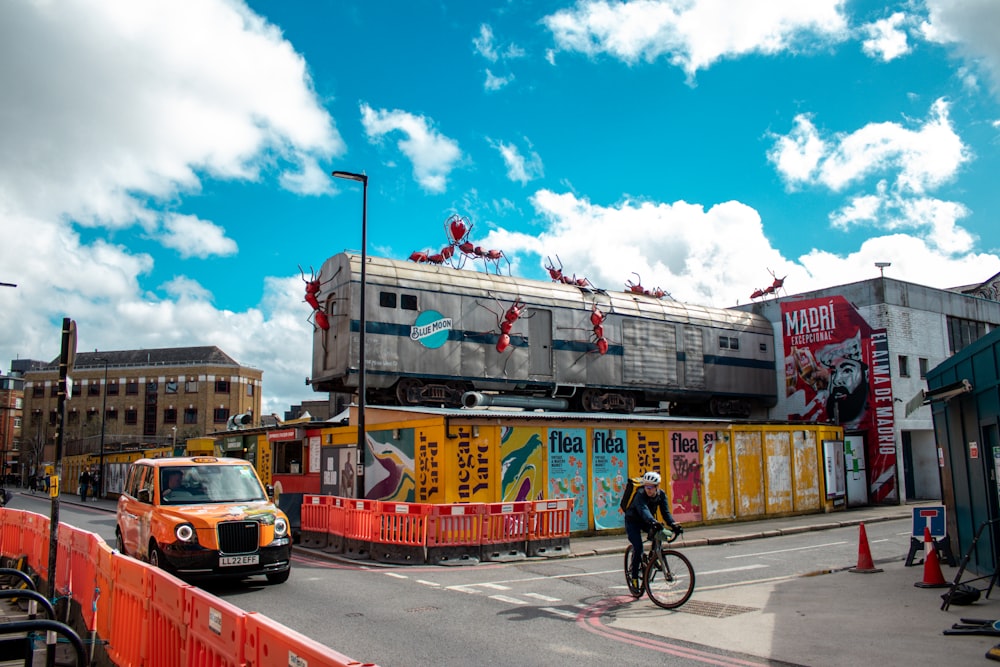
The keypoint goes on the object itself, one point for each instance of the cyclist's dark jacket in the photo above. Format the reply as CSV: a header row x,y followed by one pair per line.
x,y
642,510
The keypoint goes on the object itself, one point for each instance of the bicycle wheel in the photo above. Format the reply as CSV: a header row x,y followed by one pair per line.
x,y
671,587
634,588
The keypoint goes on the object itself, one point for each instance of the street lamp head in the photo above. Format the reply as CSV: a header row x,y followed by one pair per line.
x,y
882,265
351,176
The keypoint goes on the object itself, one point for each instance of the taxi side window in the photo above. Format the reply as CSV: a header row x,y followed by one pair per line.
x,y
145,483
132,483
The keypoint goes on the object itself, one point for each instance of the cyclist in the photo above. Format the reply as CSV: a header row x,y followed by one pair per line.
x,y
641,517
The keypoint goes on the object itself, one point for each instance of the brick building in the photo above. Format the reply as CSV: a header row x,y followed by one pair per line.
x,y
137,398
11,406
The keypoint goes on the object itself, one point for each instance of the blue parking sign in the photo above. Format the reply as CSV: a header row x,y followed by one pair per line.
x,y
930,516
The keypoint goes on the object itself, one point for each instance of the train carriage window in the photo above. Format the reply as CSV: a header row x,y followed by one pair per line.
x,y
729,343
387,299
763,347
408,302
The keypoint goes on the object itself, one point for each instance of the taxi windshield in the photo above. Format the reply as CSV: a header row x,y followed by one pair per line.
x,y
199,484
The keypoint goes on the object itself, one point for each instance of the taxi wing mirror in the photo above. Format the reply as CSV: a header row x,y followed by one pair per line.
x,y
269,488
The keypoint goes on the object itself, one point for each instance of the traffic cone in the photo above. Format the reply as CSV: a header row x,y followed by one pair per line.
x,y
865,563
933,577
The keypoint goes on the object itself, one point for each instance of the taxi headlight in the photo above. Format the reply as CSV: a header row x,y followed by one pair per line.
x,y
280,527
184,532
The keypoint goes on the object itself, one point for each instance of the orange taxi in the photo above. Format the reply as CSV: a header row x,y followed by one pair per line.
x,y
203,516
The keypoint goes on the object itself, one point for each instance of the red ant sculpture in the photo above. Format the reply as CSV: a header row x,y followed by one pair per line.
x,y
558,276
776,284
313,287
597,320
637,288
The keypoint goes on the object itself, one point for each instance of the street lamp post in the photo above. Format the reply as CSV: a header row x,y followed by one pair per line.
x,y
104,417
362,325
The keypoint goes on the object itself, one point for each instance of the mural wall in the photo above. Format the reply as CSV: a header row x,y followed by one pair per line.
x,y
837,371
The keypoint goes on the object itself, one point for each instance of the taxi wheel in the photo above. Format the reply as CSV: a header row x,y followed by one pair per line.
x,y
120,543
278,577
156,558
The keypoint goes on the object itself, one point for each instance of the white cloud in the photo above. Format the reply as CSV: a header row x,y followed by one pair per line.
x,y
494,82
694,34
433,155
718,256
112,109
886,39
971,27
519,168
192,237
484,43
923,158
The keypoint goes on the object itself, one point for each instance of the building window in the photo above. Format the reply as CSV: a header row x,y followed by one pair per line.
x,y
191,386
111,413
91,414
77,388
904,366
54,389
93,389
170,416
74,417
17,424
53,417
387,299
408,302
131,416
112,388
288,457
132,387
962,333
923,367
190,415
222,386
220,415
38,391
152,386
170,387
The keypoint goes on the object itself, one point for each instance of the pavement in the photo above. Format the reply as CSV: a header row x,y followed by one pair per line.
x,y
832,618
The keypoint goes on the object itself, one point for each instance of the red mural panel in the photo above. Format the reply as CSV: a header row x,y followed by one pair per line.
x,y
837,371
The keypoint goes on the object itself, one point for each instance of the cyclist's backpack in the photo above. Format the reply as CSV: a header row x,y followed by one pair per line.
x,y
631,486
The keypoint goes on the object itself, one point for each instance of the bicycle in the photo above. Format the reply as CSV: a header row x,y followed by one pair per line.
x,y
667,574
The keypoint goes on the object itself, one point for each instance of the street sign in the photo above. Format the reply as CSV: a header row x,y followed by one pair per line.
x,y
931,516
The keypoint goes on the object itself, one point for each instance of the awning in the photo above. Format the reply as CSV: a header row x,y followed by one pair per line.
x,y
945,393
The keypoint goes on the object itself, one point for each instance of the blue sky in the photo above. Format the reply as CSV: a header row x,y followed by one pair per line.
x,y
165,166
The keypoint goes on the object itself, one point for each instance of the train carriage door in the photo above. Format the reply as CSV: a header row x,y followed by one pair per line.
x,y
540,342
650,352
694,358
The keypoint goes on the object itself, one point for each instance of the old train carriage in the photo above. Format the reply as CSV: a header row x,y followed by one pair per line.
x,y
437,335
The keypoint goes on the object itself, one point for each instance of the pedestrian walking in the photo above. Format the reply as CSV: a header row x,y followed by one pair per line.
x,y
95,485
84,485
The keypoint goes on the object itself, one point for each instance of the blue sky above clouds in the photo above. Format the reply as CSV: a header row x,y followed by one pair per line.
x,y
165,166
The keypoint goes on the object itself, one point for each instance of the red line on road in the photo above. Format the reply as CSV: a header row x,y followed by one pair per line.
x,y
590,620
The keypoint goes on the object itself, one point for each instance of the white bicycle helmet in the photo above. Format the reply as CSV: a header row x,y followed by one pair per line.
x,y
651,478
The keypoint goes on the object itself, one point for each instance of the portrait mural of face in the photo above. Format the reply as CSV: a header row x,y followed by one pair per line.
x,y
847,387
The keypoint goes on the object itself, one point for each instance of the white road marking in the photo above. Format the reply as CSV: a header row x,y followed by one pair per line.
x,y
507,599
396,574
496,587
427,583
732,569
559,612
779,551
539,596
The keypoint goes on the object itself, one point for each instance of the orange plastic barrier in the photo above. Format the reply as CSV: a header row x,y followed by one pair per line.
x,y
336,524
454,533
64,557
216,632
359,528
35,541
129,612
10,537
548,527
83,572
314,518
104,595
270,644
168,620
505,531
401,533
